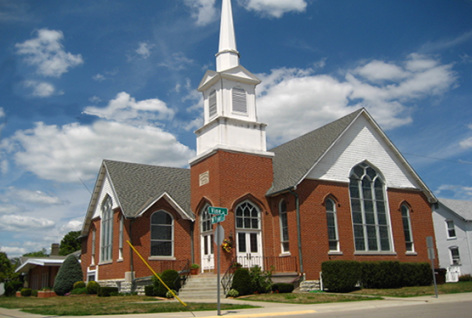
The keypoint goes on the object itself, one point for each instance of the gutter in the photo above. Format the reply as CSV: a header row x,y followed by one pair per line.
x,y
299,234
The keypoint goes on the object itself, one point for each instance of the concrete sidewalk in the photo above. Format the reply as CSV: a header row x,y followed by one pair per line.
x,y
272,309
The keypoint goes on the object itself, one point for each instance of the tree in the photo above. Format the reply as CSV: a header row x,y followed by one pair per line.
x,y
41,253
69,273
6,268
70,243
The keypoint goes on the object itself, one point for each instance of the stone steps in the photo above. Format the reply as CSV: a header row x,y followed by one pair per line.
x,y
201,287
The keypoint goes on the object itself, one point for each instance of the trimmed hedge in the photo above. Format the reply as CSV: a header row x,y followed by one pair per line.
x,y
107,291
341,276
282,288
149,290
92,287
26,292
12,287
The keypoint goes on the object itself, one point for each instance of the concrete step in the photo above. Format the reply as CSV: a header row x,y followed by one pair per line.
x,y
201,287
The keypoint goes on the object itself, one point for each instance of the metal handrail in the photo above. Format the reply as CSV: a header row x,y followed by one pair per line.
x,y
183,274
227,279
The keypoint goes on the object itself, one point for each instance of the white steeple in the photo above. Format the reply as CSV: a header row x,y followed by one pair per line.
x,y
229,99
227,56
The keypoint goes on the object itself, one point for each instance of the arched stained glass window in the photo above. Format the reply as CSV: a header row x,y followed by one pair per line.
x,y
162,234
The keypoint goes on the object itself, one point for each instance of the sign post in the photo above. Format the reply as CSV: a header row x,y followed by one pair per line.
x,y
218,216
431,256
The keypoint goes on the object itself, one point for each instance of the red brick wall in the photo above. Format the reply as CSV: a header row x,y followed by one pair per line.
x,y
234,177
314,234
140,229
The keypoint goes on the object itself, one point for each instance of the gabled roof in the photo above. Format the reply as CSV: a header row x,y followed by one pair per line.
x,y
138,186
295,159
462,208
238,73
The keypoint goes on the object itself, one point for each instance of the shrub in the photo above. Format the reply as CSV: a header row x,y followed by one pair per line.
x,y
69,273
416,274
261,281
242,282
465,278
149,290
341,276
171,278
79,291
107,291
170,295
92,287
12,287
26,292
283,288
79,284
233,293
381,274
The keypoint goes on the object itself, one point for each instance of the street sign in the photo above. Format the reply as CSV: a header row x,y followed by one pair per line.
x,y
219,235
217,211
217,218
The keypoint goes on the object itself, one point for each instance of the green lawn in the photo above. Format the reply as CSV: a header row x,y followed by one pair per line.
x,y
84,305
449,288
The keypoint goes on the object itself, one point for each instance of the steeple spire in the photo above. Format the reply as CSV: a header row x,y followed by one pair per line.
x,y
227,56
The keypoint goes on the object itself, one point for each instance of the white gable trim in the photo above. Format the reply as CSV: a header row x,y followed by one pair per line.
x,y
172,202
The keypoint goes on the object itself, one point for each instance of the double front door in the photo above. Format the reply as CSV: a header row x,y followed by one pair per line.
x,y
249,248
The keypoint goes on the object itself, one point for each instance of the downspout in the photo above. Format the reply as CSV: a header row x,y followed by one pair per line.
x,y
131,262
192,246
299,234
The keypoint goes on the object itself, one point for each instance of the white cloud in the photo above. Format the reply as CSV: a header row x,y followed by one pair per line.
x,y
295,101
466,143
35,197
144,50
47,54
73,225
13,251
6,208
126,109
70,153
274,8
40,89
12,222
203,11
2,116
98,77
458,192
176,61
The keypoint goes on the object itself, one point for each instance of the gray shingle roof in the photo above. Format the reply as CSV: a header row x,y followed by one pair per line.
x,y
461,208
138,185
294,159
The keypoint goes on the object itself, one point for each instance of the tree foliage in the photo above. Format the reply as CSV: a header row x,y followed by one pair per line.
x,y
41,253
6,268
69,273
70,243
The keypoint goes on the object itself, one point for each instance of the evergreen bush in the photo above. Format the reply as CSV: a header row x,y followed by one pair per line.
x,y
107,291
282,288
465,278
79,284
26,292
12,287
92,287
69,273
233,293
341,276
261,281
79,291
242,282
171,278
381,274
149,290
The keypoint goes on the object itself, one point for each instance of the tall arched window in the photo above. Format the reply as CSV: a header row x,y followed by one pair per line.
x,y
247,216
332,221
369,211
106,242
162,234
407,228
284,242
206,229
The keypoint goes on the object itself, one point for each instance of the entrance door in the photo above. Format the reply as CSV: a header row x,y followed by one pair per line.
x,y
208,258
206,240
249,249
248,235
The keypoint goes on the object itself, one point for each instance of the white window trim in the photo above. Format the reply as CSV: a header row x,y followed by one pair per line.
x,y
410,229
105,232
335,215
452,257
282,241
163,257
447,229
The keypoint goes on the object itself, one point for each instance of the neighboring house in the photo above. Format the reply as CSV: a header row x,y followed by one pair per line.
x,y
40,272
453,228
340,192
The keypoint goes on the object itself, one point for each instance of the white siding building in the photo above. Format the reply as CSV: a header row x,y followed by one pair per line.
x,y
453,227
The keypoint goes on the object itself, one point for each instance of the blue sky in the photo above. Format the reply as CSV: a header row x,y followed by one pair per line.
x,y
83,81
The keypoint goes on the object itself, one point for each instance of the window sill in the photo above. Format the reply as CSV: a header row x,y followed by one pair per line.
x,y
286,254
374,253
105,263
335,253
452,238
119,260
411,254
161,258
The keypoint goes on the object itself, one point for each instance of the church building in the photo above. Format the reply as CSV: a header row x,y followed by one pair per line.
x,y
340,192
